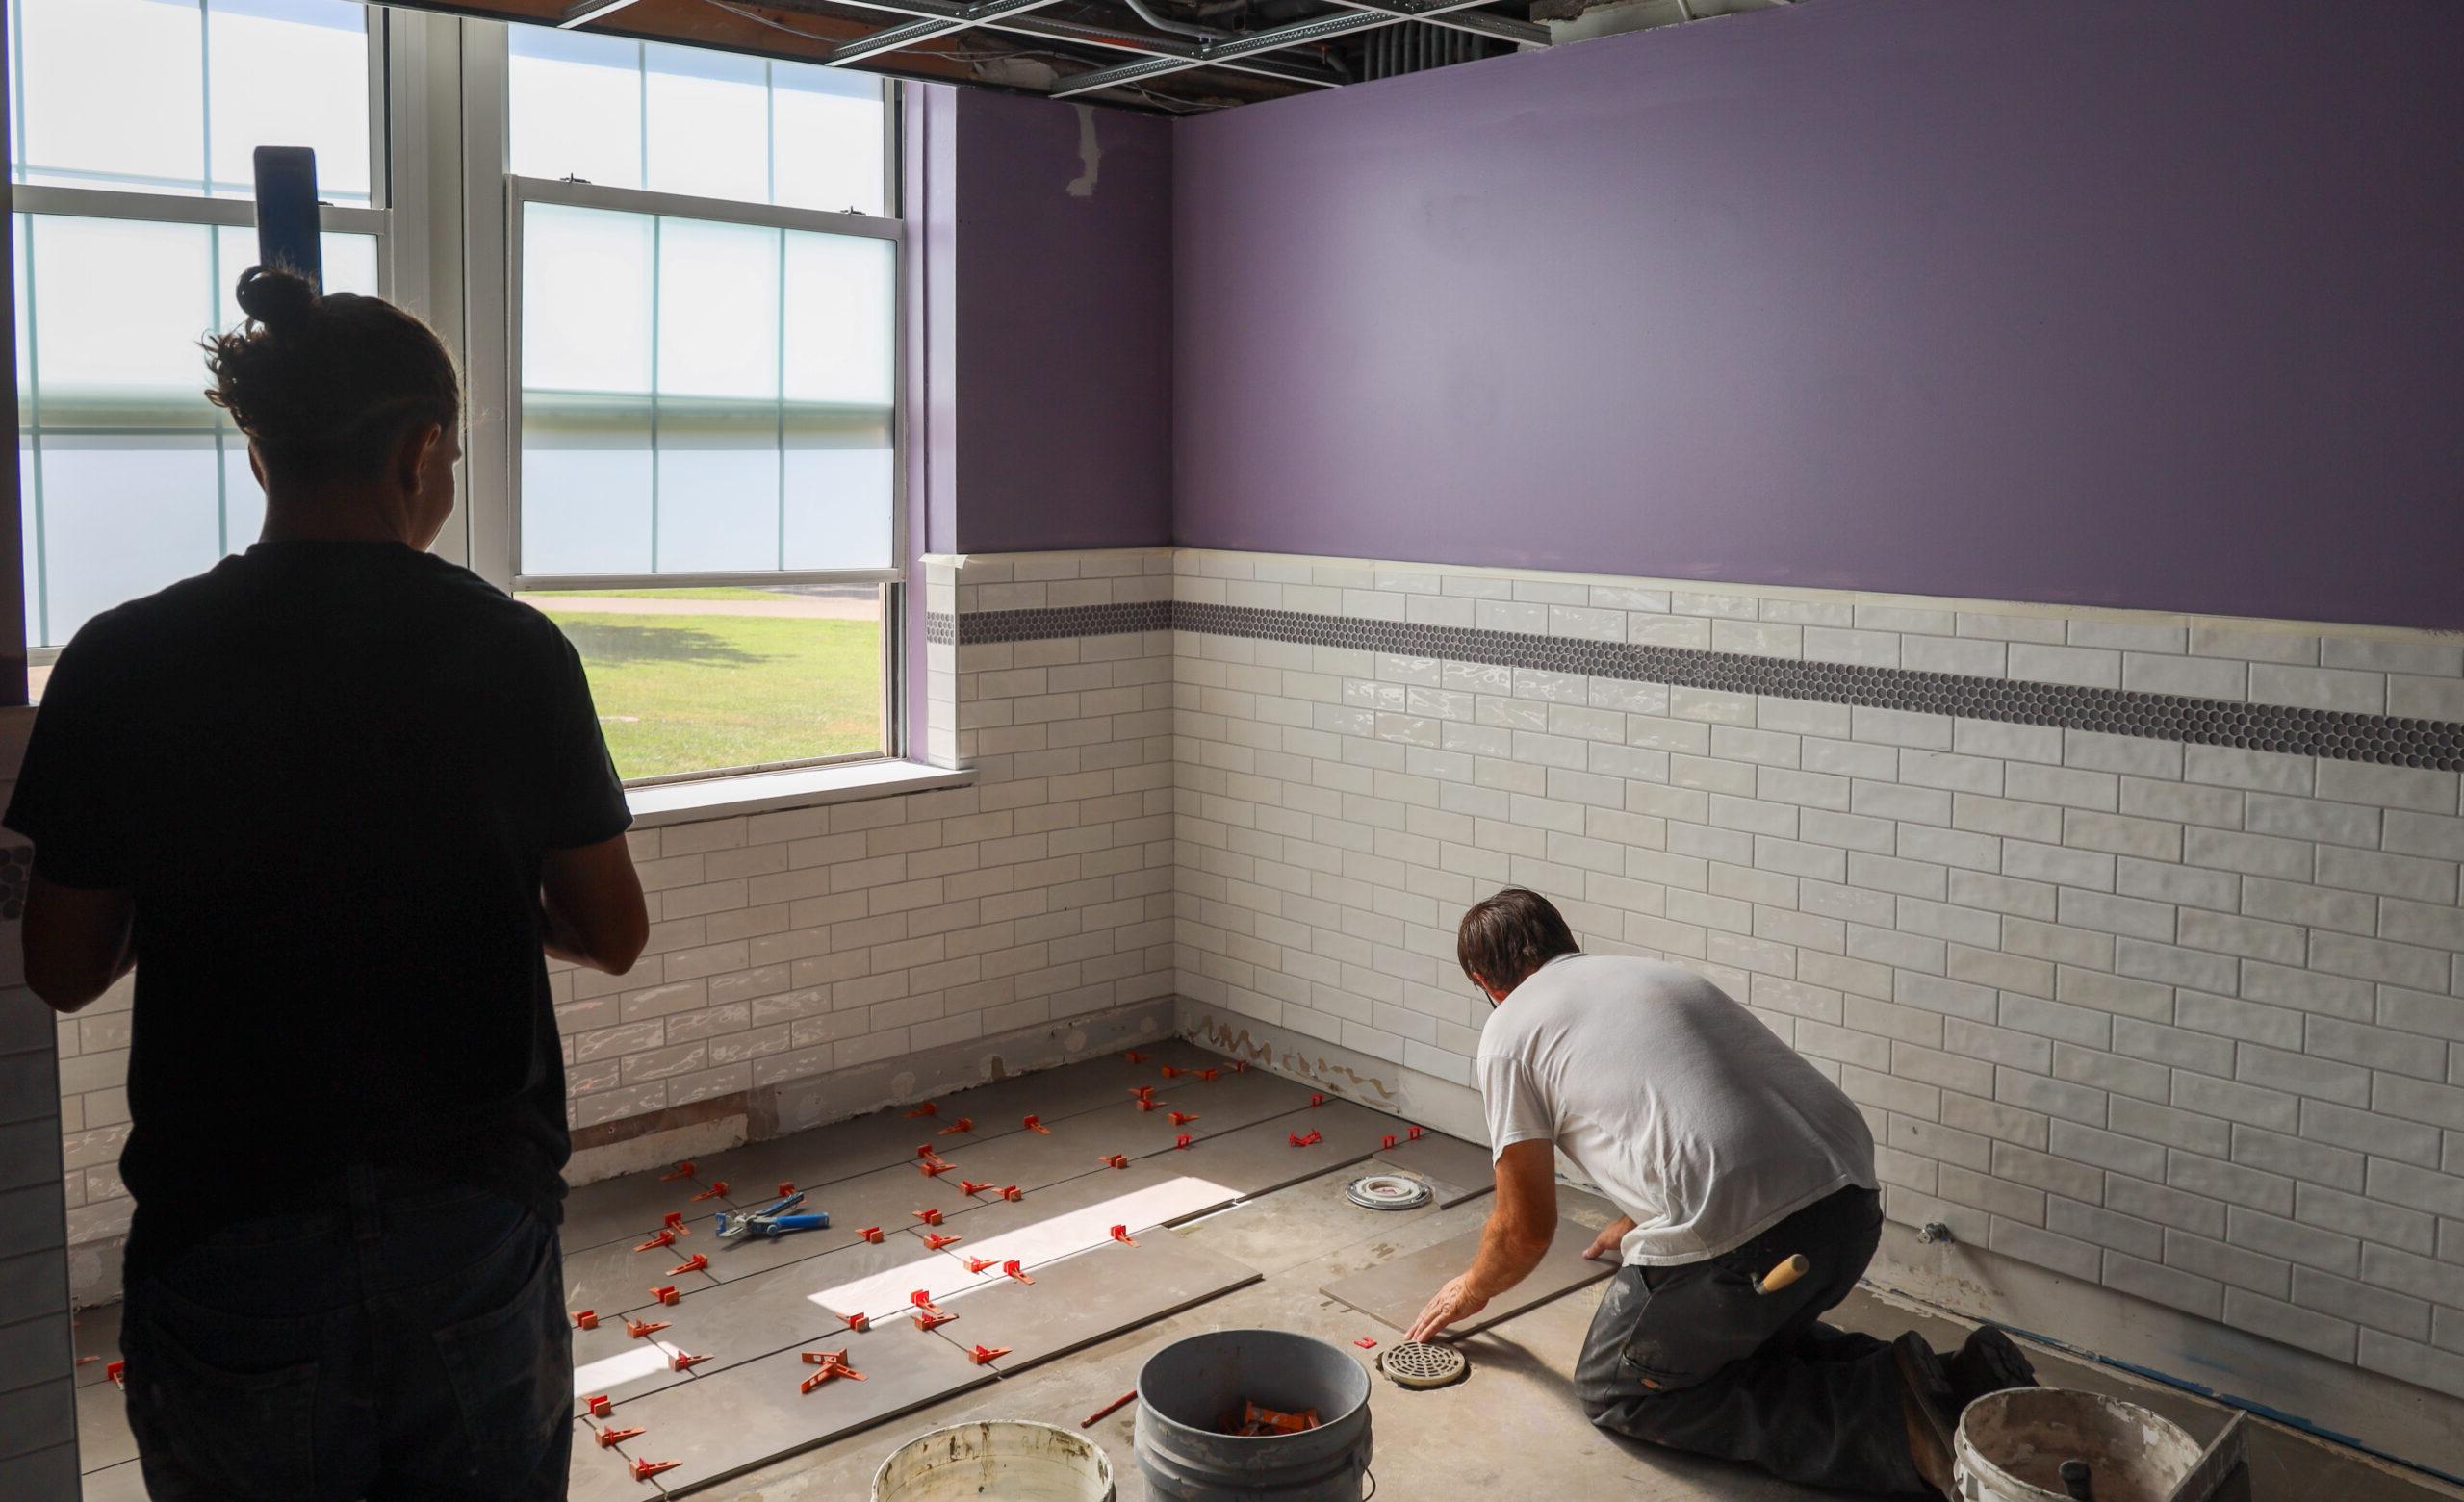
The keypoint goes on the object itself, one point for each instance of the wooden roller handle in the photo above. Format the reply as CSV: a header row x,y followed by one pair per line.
x,y
1791,1268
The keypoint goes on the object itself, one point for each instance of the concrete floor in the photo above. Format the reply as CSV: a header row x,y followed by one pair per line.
x,y
1513,1427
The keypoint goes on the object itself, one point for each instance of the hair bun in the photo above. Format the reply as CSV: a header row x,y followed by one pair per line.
x,y
277,299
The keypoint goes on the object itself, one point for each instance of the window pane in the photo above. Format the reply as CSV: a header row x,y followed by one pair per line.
x,y
576,106
709,679
258,72
746,456
130,479
693,122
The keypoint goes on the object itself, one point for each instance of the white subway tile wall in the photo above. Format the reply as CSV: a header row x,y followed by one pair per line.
x,y
2187,1021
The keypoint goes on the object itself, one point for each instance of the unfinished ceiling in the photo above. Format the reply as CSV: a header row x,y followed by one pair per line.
x,y
1171,56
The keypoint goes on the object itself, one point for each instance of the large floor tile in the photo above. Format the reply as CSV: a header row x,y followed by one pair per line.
x,y
609,1362
613,1277
1396,1292
631,1209
1092,1294
1304,1222
1456,1169
103,1437
95,1334
750,1317
1259,1158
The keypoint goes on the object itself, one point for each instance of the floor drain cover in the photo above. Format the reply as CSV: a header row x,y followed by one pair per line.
x,y
1387,1191
1417,1364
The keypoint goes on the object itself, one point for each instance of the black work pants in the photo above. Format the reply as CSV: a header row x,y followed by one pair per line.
x,y
1691,1358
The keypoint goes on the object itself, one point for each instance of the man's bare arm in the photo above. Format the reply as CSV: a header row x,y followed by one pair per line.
x,y
591,901
78,940
1521,1225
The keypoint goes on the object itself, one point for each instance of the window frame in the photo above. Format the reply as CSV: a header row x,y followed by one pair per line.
x,y
376,218
492,200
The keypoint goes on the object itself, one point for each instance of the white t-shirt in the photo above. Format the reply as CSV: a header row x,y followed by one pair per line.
x,y
1685,1110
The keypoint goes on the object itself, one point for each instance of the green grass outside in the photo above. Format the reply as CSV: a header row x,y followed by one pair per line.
x,y
702,693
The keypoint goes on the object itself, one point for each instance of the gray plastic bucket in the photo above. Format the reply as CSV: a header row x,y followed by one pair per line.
x,y
1010,1460
1190,1387
2010,1446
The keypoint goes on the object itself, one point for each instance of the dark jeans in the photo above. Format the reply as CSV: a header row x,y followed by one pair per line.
x,y
406,1345
1693,1359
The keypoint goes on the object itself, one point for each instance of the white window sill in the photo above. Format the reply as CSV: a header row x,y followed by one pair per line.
x,y
769,792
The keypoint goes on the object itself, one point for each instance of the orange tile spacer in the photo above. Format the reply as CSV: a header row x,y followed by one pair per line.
x,y
1120,1234
932,1319
681,1361
1386,1141
1298,1140
644,1470
1135,1057
1036,1124
962,1124
1170,1073
667,1294
1010,1192
1240,1066
684,1169
929,1217
1317,1100
663,1239
833,1363
1208,1075
859,1322
1141,1091
1366,1343
976,1264
1415,1133
597,1406
1150,1103
927,1108
718,1189
1181,1141
1012,1269
585,1319
643,1329
691,1265
987,1355
608,1437
116,1373
1182,1119
970,1187
786,1187
872,1233
674,1220
935,1240
1114,1161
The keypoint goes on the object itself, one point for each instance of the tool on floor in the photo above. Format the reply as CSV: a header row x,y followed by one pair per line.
x,y
1388,1191
717,1190
644,1470
644,1329
1036,1124
987,1355
597,1406
1109,1409
1418,1364
683,1170
1792,1268
585,1319
772,1221
691,1265
610,1437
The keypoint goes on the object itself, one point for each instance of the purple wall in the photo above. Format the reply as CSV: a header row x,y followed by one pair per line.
x,y
2069,300
1062,391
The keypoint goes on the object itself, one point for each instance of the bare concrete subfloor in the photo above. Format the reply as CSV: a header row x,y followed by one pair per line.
x,y
1513,1429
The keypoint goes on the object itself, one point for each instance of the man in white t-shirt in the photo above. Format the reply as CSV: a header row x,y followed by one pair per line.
x,y
1729,1154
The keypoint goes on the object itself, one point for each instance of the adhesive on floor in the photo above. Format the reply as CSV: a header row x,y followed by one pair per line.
x,y
1396,1292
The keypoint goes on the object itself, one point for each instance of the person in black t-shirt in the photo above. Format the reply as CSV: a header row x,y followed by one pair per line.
x,y
333,798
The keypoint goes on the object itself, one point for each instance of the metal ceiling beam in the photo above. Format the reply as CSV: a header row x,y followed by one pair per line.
x,y
1074,33
584,12
893,39
1226,54
1480,23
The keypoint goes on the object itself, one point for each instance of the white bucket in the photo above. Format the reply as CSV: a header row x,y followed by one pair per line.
x,y
1001,1460
2010,1446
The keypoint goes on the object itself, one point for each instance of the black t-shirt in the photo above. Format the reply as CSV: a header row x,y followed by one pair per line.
x,y
327,772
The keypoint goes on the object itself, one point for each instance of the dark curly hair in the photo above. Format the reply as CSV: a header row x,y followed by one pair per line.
x,y
326,384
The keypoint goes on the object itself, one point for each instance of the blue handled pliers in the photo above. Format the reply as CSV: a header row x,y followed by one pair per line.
x,y
772,1221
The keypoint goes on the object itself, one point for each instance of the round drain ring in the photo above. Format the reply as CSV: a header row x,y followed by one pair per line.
x,y
1387,1191
1419,1364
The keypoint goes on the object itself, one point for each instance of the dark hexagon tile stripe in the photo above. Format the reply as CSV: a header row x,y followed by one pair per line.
x,y
2335,734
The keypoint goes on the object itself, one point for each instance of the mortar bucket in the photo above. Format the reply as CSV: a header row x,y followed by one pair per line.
x,y
1190,1387
1006,1458
2011,1445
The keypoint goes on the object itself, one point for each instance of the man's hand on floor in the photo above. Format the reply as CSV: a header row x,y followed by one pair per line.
x,y
1612,1236
1456,1301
